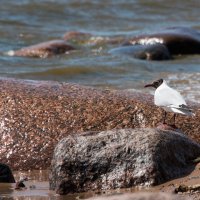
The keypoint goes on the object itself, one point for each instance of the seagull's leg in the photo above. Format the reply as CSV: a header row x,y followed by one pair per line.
x,y
165,114
174,125
174,118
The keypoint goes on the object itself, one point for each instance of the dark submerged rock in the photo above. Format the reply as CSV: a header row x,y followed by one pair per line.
x,y
120,159
44,49
6,175
35,115
178,40
144,52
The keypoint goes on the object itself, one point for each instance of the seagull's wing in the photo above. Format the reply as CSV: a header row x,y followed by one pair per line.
x,y
167,96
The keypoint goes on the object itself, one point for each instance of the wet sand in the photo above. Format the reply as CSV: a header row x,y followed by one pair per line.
x,y
37,188
189,180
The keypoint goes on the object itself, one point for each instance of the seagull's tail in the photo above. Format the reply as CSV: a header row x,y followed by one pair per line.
x,y
191,113
183,109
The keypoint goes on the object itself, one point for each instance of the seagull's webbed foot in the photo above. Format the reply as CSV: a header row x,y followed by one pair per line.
x,y
174,126
166,126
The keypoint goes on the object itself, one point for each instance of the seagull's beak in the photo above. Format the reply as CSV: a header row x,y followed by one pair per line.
x,y
149,85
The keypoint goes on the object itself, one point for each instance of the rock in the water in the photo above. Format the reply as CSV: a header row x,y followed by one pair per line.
x,y
144,52
6,175
141,196
163,45
177,40
44,49
120,159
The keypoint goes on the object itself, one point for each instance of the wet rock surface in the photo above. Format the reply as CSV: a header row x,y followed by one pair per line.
x,y
144,52
176,40
120,159
179,40
6,175
35,115
161,45
141,196
44,49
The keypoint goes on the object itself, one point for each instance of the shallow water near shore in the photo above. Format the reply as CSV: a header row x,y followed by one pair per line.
x,y
37,187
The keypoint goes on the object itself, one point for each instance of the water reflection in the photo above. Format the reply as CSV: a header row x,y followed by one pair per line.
x,y
37,188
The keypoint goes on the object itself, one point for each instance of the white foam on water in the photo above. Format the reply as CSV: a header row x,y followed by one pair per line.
x,y
10,53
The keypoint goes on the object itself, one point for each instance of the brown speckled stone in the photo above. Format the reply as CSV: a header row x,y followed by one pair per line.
x,y
35,115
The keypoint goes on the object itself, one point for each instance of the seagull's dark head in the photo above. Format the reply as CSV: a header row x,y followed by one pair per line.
x,y
155,84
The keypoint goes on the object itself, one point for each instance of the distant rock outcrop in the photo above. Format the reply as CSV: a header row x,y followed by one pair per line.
x,y
120,159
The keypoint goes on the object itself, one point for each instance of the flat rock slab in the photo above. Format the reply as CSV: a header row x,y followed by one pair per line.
x,y
120,159
35,115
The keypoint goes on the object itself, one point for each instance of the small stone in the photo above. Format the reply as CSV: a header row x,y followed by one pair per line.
x,y
181,188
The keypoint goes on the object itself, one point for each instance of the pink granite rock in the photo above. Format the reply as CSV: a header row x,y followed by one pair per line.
x,y
35,115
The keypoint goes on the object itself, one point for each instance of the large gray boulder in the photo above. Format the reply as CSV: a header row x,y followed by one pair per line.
x,y
120,159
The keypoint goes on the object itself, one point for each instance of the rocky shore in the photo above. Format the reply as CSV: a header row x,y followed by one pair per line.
x,y
34,116
121,147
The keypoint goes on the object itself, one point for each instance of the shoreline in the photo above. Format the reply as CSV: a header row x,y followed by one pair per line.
x,y
39,180
50,94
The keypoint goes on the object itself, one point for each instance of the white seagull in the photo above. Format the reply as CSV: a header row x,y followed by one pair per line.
x,y
169,99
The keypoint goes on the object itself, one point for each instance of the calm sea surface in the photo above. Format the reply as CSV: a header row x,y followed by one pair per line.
x,y
27,22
